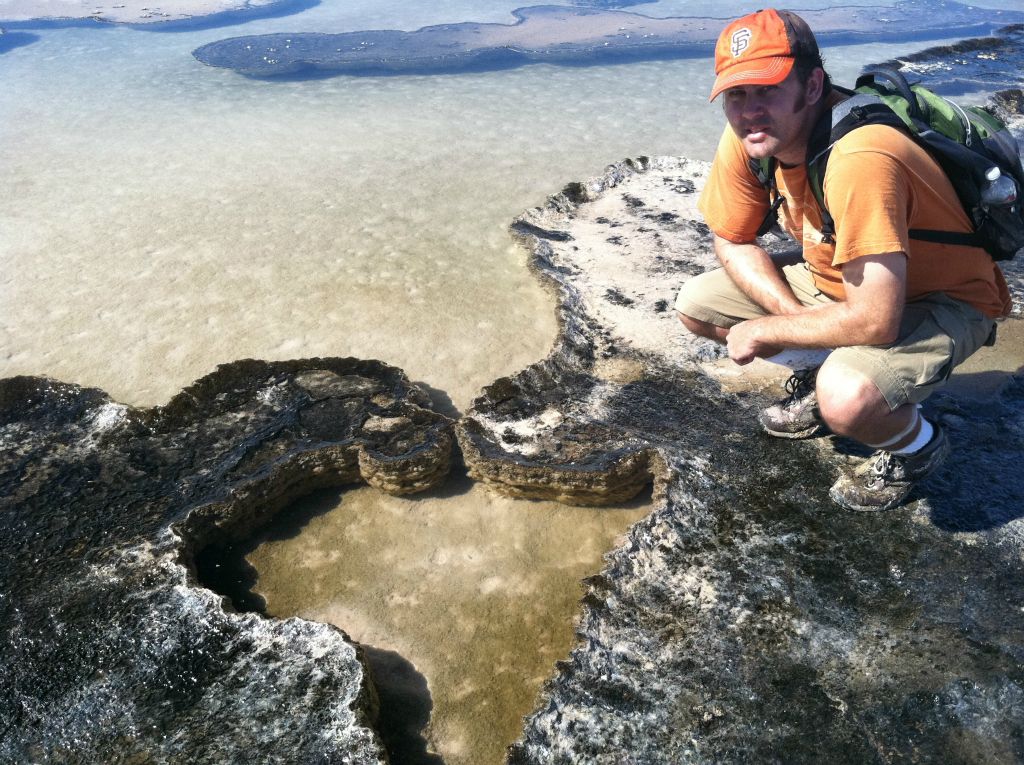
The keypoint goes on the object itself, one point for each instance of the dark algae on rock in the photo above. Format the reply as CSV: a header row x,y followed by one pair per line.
x,y
111,652
747,619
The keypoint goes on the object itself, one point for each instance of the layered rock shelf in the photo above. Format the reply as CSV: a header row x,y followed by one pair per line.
x,y
565,35
112,653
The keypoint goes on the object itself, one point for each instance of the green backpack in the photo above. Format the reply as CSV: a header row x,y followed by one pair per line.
x,y
974,148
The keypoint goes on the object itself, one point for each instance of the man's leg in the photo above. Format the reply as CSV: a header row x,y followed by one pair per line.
x,y
853,406
711,303
871,394
704,328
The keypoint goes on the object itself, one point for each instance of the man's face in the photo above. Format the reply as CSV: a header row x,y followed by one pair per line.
x,y
774,120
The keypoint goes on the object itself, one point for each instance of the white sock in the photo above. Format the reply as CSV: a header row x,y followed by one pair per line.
x,y
920,442
800,358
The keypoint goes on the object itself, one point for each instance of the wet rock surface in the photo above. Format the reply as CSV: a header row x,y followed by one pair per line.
x,y
986,64
747,618
111,653
565,35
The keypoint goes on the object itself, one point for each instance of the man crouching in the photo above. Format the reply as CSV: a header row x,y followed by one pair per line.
x,y
897,314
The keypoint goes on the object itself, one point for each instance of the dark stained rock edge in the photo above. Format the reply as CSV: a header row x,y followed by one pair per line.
x,y
117,652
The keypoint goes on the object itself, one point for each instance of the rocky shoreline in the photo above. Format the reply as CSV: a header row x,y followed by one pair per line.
x,y
112,652
744,619
743,615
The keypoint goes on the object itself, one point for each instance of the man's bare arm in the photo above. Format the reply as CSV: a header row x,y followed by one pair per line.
x,y
876,287
754,272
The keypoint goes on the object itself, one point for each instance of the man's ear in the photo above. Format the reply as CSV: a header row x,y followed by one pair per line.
x,y
815,85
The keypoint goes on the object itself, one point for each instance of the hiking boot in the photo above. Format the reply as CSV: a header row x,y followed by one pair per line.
x,y
796,416
884,479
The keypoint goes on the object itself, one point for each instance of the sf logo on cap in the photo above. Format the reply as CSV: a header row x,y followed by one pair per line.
x,y
740,41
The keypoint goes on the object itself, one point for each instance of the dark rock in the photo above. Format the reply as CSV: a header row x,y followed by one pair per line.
x,y
112,653
748,619
563,35
983,63
527,229
617,297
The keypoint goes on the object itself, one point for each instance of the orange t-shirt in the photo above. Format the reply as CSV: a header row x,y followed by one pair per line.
x,y
878,185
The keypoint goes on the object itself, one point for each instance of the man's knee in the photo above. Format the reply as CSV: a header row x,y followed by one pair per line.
x,y
703,328
696,326
847,398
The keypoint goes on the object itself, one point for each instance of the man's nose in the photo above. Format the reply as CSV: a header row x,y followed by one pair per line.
x,y
753,105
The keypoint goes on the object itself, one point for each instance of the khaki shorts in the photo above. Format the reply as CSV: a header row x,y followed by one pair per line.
x,y
937,333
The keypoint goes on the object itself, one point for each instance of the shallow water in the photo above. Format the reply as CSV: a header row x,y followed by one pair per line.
x,y
163,217
471,602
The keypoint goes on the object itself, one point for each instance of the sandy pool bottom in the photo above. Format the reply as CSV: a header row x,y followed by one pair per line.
x,y
472,597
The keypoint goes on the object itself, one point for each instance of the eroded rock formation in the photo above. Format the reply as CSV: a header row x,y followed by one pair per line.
x,y
564,35
111,653
747,618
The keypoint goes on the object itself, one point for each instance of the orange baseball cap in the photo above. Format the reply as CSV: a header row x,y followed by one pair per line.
x,y
760,49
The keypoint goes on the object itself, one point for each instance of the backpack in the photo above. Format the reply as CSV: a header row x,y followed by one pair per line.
x,y
974,149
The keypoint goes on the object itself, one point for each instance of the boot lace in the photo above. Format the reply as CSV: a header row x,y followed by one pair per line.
x,y
887,466
799,384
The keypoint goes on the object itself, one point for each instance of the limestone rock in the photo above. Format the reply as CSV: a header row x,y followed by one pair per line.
x,y
112,652
747,619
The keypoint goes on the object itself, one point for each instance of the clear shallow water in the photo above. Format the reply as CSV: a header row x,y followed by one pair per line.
x,y
478,593
163,217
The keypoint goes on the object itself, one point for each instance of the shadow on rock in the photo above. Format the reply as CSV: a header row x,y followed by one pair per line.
x,y
979,488
405,706
440,400
224,568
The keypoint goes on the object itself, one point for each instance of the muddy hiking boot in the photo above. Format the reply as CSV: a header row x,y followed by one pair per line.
x,y
795,416
884,479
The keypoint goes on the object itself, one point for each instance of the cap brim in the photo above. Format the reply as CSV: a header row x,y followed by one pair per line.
x,y
760,71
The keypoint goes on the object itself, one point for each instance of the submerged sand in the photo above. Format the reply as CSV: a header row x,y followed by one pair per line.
x,y
479,594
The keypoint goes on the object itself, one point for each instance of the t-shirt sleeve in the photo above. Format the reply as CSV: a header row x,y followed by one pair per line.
x,y
733,202
868,194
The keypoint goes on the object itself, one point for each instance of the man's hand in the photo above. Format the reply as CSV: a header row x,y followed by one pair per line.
x,y
744,344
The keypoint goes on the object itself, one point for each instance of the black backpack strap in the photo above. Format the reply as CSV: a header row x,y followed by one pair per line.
x,y
962,239
863,109
764,171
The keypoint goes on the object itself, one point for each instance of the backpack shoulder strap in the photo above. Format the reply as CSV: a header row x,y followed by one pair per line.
x,y
866,108
764,171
